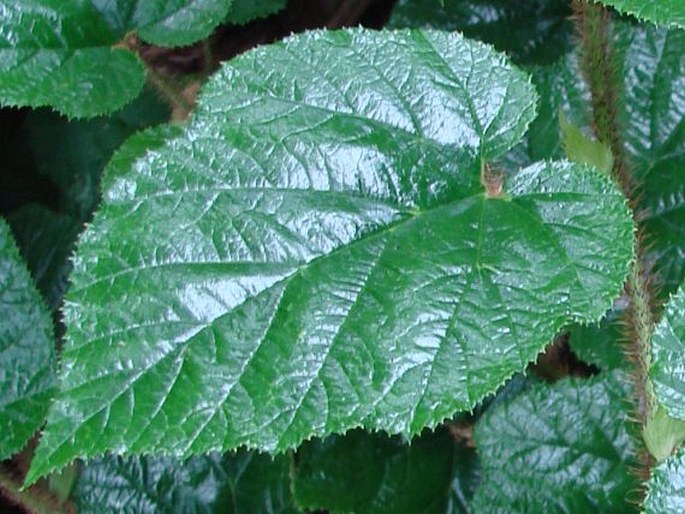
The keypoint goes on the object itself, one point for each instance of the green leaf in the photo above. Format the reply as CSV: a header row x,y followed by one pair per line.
x,y
652,64
27,351
602,343
373,473
243,483
562,93
667,370
59,53
563,448
315,253
46,240
164,22
583,149
244,11
666,489
535,31
663,434
67,54
667,12
74,153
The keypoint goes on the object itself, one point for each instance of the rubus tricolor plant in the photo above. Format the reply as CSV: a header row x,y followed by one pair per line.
x,y
429,268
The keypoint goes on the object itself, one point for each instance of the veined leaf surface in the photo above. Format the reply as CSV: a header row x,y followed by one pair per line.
x,y
66,54
27,351
666,489
665,12
667,371
315,252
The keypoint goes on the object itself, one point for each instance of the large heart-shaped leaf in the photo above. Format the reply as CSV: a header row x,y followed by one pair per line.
x,y
27,351
64,54
316,253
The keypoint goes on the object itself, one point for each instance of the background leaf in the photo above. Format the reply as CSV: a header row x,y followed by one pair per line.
x,y
666,493
27,351
563,448
306,259
59,54
242,483
654,117
244,11
164,22
373,473
69,54
535,31
668,12
74,153
667,371
46,240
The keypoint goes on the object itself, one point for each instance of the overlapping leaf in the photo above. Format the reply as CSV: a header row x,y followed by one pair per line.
x,y
242,483
373,473
667,371
666,489
668,12
74,153
46,240
654,115
563,448
164,22
534,31
64,54
315,253
26,351
243,11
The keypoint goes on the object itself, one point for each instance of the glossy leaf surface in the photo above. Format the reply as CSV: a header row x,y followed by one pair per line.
x,y
667,371
376,474
666,489
654,71
46,240
242,483
59,53
164,22
602,344
535,31
243,11
27,351
315,253
665,12
64,53
560,448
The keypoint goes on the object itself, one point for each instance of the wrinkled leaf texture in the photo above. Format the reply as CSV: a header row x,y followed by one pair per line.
x,y
376,474
560,448
535,31
666,487
27,350
64,54
665,12
241,483
315,253
667,371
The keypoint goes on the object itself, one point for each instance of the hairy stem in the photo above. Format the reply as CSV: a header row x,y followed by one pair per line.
x,y
34,500
602,76
601,73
